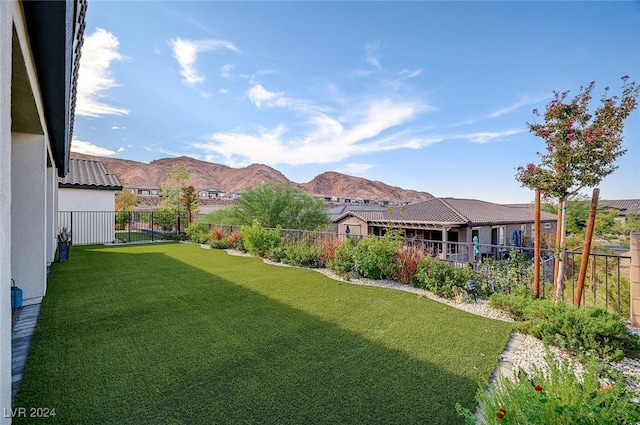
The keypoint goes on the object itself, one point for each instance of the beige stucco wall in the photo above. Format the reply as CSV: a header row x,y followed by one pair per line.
x,y
6,13
28,215
357,227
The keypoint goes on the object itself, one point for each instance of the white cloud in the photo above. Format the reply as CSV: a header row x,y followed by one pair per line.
x,y
326,138
225,71
186,53
488,136
120,149
526,100
94,77
259,95
372,53
115,127
354,169
90,149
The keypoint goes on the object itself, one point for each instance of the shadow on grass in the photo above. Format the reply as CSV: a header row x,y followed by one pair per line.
x,y
133,335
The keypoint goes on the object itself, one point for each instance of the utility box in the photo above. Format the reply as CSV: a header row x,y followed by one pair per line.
x,y
16,296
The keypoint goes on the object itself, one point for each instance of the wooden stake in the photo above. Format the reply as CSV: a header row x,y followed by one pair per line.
x,y
557,245
587,248
536,249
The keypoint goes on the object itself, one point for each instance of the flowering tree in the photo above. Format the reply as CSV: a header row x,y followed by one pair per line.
x,y
581,147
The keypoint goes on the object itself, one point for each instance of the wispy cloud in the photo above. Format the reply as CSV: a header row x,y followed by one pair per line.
x,y
372,53
100,49
186,53
326,138
488,136
354,169
258,95
526,100
90,149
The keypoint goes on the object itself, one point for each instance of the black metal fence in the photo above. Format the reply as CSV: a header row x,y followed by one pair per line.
x,y
107,227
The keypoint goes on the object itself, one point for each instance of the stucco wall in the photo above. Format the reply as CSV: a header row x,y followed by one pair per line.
x,y
28,217
6,12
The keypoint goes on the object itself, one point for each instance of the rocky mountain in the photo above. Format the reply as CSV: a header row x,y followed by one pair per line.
x,y
207,175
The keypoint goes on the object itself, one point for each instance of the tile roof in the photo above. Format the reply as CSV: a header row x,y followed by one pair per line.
x,y
451,211
89,174
622,204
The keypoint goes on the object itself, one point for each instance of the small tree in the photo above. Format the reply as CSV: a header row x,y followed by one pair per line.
x,y
581,147
126,202
189,202
280,205
170,193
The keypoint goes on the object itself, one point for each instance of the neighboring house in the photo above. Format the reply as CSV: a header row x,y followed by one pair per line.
x,y
40,43
145,190
211,194
86,200
623,206
452,222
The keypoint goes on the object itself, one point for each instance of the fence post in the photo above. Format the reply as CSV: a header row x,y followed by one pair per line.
x,y
635,279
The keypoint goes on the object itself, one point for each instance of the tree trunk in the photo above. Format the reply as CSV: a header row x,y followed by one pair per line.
x,y
536,249
560,250
587,248
558,228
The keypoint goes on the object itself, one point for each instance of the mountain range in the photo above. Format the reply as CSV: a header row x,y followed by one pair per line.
x,y
207,175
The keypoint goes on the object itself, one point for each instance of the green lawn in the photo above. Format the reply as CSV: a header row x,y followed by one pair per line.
x,y
172,334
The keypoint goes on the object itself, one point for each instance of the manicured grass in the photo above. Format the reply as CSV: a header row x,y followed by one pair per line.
x,y
172,333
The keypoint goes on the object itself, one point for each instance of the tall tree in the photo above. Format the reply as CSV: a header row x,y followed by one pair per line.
x,y
581,147
280,205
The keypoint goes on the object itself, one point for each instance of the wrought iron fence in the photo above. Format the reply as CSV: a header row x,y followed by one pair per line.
x,y
106,227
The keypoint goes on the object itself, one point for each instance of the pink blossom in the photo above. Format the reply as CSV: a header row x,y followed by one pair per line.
x,y
550,148
542,132
570,124
530,166
535,111
599,132
571,136
520,168
558,167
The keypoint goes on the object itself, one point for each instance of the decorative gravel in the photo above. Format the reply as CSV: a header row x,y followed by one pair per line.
x,y
527,356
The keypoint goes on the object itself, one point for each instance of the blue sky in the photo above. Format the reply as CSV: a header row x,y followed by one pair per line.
x,y
425,95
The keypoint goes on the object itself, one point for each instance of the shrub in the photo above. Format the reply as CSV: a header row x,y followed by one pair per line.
x,y
582,331
260,242
329,246
436,276
236,242
218,233
343,260
375,257
557,396
197,233
304,253
515,304
408,260
220,243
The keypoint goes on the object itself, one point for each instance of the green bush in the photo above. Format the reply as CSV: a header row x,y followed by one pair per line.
x,y
582,331
557,396
515,304
375,257
224,243
197,233
304,253
343,258
260,242
448,282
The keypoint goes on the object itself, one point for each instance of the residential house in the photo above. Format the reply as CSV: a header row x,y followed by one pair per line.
x,y
40,45
454,223
623,206
145,190
86,201
211,194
